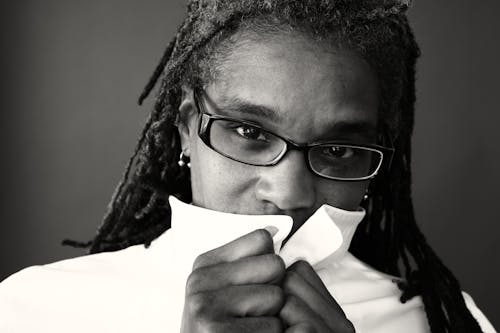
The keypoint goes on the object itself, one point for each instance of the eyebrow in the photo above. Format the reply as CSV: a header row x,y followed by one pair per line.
x,y
235,104
342,128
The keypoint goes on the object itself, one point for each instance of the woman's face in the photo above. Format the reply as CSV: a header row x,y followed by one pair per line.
x,y
311,94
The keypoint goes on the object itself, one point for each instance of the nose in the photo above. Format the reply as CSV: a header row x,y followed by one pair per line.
x,y
288,185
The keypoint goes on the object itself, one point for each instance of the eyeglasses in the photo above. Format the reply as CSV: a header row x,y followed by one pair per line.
x,y
246,142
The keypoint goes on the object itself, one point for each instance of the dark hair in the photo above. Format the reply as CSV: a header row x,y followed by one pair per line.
x,y
378,30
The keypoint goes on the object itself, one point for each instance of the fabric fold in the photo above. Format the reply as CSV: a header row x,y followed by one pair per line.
x,y
328,231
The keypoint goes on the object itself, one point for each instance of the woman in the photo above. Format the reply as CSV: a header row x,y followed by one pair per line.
x,y
266,108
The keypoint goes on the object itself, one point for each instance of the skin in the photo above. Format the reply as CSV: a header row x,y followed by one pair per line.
x,y
243,285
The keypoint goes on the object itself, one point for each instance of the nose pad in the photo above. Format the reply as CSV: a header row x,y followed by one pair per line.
x,y
289,184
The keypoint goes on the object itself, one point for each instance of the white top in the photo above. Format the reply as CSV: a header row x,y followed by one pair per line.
x,y
142,290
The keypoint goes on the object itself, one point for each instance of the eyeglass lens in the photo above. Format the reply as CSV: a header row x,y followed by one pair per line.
x,y
344,161
252,145
245,143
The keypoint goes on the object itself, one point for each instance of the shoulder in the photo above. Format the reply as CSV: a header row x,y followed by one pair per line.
x,y
129,261
367,290
88,265
66,279
91,289
127,264
371,299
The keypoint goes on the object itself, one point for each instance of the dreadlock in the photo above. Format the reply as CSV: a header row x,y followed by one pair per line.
x,y
378,30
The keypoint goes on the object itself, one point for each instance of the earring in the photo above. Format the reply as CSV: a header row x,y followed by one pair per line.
x,y
366,196
184,160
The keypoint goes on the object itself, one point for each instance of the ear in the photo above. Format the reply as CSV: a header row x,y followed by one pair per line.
x,y
185,121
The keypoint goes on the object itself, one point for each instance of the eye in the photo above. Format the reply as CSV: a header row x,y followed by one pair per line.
x,y
340,152
251,133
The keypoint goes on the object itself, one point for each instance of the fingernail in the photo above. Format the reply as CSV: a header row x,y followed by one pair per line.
x,y
272,230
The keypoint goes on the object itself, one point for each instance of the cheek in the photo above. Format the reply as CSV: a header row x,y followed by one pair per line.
x,y
344,195
220,183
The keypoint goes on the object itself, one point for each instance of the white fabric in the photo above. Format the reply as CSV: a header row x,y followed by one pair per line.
x,y
142,290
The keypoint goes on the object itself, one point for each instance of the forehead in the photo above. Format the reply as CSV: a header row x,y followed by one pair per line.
x,y
309,87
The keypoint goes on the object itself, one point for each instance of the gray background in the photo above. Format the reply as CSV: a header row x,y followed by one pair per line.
x,y
71,73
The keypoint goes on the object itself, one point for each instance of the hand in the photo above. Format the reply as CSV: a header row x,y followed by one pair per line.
x,y
234,288
309,306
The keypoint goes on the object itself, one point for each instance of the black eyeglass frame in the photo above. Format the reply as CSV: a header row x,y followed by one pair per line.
x,y
204,134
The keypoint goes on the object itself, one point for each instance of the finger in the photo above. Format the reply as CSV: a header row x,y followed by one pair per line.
x,y
329,311
252,244
253,300
296,313
301,328
237,301
251,325
306,271
262,269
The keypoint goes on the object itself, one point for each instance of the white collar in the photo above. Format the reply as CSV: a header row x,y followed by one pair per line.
x,y
327,233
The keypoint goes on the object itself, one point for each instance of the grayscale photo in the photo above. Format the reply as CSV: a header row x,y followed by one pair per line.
x,y
297,166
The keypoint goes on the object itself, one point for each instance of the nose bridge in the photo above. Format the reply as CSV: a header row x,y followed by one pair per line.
x,y
288,184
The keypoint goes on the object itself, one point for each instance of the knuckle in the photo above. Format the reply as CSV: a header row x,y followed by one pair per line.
x,y
276,294
264,239
289,281
275,325
303,264
300,266
193,281
201,325
292,301
198,305
211,327
275,263
307,328
202,260
303,328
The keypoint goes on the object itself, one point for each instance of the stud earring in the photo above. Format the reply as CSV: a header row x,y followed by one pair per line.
x,y
184,160
367,195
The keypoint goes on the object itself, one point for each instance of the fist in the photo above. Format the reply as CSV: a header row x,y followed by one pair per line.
x,y
236,288
309,306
